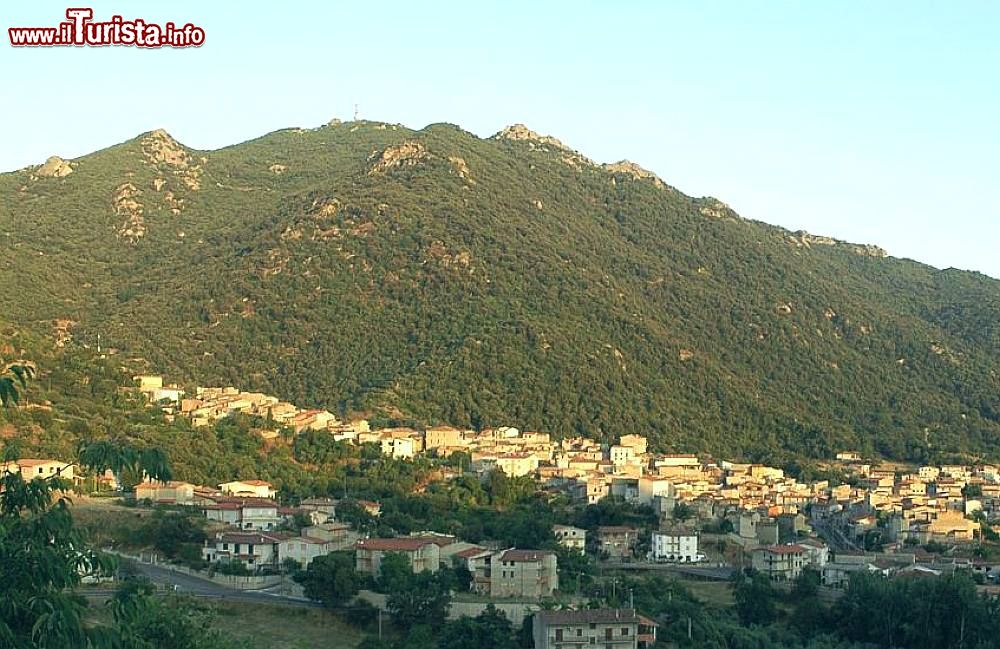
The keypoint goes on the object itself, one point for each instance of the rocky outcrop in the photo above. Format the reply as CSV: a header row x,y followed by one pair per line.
x,y
277,169
521,133
54,167
396,156
460,167
538,142
713,208
160,149
125,202
630,168
802,239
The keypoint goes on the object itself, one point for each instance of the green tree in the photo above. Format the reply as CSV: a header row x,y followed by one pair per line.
x,y
14,379
421,598
754,597
125,460
491,629
330,579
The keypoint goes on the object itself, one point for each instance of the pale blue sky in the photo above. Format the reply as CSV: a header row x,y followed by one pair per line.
x,y
872,122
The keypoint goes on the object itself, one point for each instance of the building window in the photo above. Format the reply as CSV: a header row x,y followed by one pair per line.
x,y
624,630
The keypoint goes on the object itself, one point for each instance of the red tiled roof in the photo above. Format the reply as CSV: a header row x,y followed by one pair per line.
x,y
471,552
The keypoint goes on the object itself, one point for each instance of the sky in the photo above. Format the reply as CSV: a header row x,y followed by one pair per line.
x,y
870,122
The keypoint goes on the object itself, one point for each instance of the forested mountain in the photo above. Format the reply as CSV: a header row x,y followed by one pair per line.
x,y
436,276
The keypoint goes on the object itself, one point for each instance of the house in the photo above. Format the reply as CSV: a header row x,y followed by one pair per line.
x,y
779,562
682,460
255,550
304,549
34,469
245,513
326,506
340,534
837,575
651,487
524,573
621,455
570,537
637,442
817,552
398,447
675,546
616,541
422,553
607,628
250,488
437,437
171,492
312,420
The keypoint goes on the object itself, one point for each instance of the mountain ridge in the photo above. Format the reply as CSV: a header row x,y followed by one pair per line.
x,y
479,281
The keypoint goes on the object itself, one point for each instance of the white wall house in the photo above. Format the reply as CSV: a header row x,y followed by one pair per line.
x,y
680,547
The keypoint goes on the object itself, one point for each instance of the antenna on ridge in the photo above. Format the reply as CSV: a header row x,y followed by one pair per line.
x,y
355,112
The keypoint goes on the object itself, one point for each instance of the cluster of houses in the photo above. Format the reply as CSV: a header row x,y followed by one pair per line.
x,y
933,503
772,515
926,505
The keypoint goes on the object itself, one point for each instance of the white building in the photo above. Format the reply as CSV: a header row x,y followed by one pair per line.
x,y
248,488
679,546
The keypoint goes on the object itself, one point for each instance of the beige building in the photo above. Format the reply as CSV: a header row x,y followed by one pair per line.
x,y
422,553
637,442
606,628
523,573
171,492
779,562
34,469
437,437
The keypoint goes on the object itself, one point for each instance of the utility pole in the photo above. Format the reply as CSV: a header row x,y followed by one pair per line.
x,y
380,623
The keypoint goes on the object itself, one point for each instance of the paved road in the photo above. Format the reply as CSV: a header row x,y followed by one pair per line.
x,y
206,588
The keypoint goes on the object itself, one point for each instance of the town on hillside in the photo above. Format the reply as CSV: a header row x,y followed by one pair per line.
x,y
714,518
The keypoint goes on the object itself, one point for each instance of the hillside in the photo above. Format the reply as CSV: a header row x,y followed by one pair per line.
x,y
436,276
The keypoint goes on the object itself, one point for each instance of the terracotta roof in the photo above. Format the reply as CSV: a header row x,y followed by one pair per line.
x,y
471,552
588,616
394,545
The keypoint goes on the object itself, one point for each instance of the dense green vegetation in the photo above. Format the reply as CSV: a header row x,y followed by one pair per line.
x,y
513,288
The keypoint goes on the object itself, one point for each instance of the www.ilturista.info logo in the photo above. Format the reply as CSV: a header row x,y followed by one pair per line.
x,y
80,30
